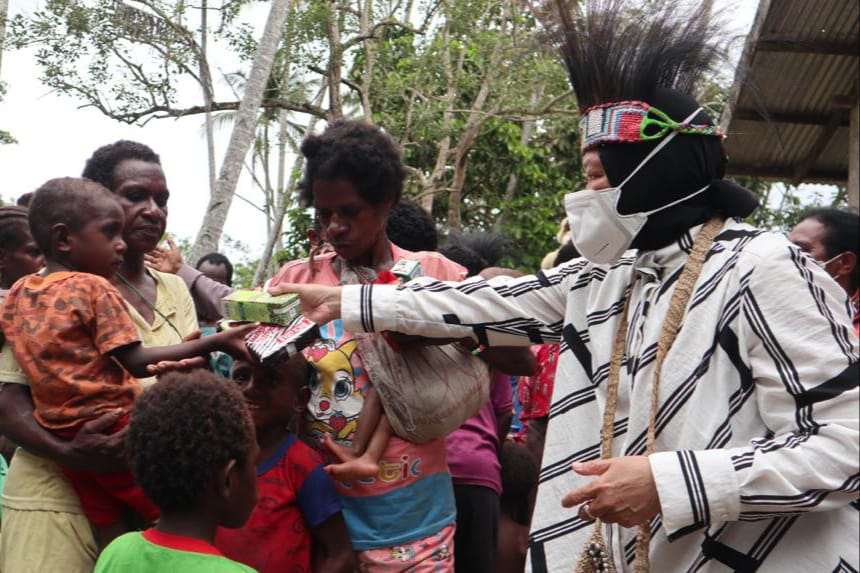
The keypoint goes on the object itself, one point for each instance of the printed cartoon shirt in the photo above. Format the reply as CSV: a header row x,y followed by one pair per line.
x,y
412,497
62,329
295,496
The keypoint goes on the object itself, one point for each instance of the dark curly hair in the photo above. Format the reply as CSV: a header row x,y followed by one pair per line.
x,y
101,166
67,200
217,259
182,429
14,229
358,152
465,257
411,227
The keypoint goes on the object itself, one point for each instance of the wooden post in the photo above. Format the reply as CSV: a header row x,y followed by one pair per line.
x,y
854,157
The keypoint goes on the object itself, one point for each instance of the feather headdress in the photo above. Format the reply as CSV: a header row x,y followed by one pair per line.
x,y
615,51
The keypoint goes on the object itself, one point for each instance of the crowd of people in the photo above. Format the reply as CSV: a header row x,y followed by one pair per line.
x,y
676,390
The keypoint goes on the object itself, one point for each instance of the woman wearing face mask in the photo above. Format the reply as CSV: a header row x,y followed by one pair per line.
x,y
705,413
832,238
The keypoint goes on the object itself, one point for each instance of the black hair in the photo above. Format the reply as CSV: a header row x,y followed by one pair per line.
x,y
842,232
182,429
358,152
615,51
411,227
489,246
519,477
101,166
566,253
14,228
842,229
66,200
24,200
217,259
466,257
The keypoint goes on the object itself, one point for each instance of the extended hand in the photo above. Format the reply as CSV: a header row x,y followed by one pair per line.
x,y
624,493
320,304
165,259
185,365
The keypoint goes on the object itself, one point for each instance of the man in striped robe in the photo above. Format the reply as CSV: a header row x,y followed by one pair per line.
x,y
755,461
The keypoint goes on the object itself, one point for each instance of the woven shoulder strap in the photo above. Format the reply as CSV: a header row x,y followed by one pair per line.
x,y
671,325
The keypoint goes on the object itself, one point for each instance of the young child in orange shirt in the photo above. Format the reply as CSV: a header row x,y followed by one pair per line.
x,y
75,341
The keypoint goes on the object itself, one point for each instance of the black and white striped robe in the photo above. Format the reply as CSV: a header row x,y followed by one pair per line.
x,y
757,427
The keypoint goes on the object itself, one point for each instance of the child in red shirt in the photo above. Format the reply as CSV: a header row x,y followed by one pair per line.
x,y
297,525
71,333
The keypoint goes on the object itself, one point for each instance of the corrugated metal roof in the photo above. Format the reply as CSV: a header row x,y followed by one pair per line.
x,y
787,115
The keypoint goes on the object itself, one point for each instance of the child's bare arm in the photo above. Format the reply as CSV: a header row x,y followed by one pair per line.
x,y
331,548
136,357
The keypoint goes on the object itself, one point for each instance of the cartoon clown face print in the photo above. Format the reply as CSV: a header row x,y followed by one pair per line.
x,y
335,399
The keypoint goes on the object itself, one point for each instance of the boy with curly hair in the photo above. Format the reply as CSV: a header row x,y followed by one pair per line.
x,y
297,525
201,481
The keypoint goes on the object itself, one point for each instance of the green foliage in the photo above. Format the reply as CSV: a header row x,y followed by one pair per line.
x,y
475,43
295,246
127,59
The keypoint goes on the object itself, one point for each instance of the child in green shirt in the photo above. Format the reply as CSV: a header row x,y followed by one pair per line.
x,y
192,449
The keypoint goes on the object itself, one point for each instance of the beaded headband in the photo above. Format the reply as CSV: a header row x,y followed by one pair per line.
x,y
631,122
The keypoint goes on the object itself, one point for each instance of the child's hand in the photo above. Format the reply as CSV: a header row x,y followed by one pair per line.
x,y
186,365
232,341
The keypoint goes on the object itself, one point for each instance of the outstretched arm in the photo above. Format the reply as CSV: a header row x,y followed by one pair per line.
x,y
136,358
500,312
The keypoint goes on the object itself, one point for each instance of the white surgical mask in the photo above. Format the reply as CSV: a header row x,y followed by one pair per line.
x,y
823,264
598,231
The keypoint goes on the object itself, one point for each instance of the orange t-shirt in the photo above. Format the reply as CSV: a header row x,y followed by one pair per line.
x,y
62,328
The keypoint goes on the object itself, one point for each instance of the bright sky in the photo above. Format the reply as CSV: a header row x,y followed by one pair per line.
x,y
56,136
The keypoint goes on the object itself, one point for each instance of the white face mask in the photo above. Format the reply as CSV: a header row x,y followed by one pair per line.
x,y
823,265
598,231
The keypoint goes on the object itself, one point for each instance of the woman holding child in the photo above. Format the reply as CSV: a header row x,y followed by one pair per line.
x,y
402,517
44,528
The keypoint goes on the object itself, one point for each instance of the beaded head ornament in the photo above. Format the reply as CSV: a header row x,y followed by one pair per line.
x,y
631,122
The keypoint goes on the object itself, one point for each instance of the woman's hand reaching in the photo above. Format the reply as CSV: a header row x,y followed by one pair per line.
x,y
320,304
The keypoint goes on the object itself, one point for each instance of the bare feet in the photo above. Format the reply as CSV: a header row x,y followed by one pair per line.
x,y
341,452
352,466
355,469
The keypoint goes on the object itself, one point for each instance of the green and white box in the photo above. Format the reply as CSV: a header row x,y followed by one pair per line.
x,y
260,306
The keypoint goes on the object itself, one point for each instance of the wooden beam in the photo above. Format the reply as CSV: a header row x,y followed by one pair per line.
x,y
772,43
854,157
840,105
785,173
798,118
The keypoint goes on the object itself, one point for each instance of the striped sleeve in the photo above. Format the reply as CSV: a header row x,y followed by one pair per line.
x,y
527,310
801,349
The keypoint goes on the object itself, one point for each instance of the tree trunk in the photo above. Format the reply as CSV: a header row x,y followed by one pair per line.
x,y
243,132
206,84
525,137
452,76
369,54
285,194
468,135
335,104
